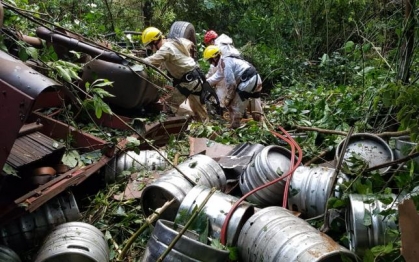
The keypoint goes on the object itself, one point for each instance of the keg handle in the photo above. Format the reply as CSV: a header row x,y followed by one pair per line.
x,y
78,247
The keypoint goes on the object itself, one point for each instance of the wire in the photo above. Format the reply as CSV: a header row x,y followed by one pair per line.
x,y
294,145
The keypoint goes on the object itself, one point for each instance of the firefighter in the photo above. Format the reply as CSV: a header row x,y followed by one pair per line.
x,y
225,43
174,56
242,81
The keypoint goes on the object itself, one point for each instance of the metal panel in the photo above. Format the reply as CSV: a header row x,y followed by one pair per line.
x,y
160,132
19,87
31,148
14,107
131,86
59,130
23,77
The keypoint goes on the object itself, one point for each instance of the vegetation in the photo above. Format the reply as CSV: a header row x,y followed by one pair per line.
x,y
327,66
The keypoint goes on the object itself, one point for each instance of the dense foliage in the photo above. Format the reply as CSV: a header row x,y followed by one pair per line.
x,y
328,65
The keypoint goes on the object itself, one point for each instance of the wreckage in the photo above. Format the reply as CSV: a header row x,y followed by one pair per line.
x,y
34,183
252,180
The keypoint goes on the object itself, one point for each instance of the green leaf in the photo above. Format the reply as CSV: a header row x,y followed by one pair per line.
x,y
349,46
91,157
132,141
367,221
385,199
73,74
234,253
325,59
9,170
64,73
383,249
108,235
334,202
98,112
361,188
76,54
366,47
23,55
368,256
102,83
120,211
3,47
71,158
203,236
101,92
217,244
33,52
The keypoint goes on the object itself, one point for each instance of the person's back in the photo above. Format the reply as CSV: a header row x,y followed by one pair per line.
x,y
225,43
174,55
243,83
233,69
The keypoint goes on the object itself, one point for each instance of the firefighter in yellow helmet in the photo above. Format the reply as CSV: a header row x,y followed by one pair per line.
x,y
242,80
188,80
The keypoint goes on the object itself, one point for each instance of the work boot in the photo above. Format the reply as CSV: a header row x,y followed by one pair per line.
x,y
235,125
256,116
235,120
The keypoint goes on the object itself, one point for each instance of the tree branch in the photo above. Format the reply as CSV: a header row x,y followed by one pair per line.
x,y
343,133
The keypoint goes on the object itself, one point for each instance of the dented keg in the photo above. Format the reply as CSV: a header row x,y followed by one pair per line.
x,y
200,169
8,255
187,249
32,227
310,188
132,161
237,159
373,149
74,241
275,234
216,210
366,227
269,164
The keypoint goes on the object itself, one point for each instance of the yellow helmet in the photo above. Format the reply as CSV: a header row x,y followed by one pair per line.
x,y
211,51
150,34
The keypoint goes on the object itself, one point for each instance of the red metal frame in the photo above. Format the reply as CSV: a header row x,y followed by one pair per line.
x,y
14,107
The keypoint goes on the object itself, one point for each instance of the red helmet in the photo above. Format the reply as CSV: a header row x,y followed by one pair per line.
x,y
209,36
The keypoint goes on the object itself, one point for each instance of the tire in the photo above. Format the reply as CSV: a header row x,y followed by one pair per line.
x,y
185,30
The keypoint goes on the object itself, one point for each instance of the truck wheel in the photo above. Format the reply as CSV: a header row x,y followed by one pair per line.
x,y
185,30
